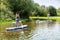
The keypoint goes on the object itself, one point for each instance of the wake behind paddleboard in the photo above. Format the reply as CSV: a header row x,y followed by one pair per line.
x,y
16,28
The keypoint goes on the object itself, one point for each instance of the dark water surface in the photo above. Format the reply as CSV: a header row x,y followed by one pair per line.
x,y
34,31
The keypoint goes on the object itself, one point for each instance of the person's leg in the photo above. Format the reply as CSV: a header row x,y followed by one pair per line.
x,y
17,23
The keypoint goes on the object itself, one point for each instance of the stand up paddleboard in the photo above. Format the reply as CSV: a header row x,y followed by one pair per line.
x,y
16,28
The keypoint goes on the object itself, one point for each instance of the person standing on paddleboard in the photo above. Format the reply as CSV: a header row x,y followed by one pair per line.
x,y
17,19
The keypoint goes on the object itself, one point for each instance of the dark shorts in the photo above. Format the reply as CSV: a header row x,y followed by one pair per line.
x,y
17,19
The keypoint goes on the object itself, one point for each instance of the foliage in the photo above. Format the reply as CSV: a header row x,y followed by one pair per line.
x,y
22,6
52,11
40,10
5,13
58,11
26,8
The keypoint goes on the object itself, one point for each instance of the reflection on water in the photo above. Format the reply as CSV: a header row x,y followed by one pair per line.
x,y
41,31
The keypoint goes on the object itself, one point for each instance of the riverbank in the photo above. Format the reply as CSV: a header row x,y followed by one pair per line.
x,y
10,21
52,18
34,17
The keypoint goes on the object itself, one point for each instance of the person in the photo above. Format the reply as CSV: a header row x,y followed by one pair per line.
x,y
48,15
17,19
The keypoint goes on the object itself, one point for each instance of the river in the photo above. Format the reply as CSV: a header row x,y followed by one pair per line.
x,y
34,31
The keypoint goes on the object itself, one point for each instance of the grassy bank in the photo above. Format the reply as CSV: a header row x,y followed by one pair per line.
x,y
34,17
52,18
6,22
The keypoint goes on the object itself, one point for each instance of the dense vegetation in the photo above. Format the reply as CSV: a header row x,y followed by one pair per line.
x,y
26,8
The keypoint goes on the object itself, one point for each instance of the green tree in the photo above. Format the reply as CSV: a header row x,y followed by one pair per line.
x,y
5,12
41,10
58,11
22,6
52,11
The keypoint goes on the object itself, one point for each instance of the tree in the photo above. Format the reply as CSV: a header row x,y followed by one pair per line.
x,y
52,11
5,12
23,6
40,10
58,11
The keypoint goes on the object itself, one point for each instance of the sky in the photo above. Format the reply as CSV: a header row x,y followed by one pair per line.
x,y
55,3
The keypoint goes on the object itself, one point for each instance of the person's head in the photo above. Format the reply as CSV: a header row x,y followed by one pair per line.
x,y
48,14
17,12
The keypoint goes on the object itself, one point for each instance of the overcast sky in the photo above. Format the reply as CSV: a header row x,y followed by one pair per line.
x,y
55,3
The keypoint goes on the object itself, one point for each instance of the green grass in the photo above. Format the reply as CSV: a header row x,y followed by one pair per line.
x,y
34,17
6,22
52,18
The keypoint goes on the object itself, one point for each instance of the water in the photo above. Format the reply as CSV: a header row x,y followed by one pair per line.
x,y
34,31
